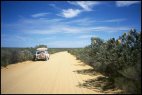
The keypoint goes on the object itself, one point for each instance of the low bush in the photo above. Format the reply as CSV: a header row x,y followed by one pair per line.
x,y
119,59
14,55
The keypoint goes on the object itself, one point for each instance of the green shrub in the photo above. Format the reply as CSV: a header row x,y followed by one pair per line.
x,y
14,55
119,59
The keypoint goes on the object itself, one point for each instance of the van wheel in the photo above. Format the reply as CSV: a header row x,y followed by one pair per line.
x,y
46,59
35,59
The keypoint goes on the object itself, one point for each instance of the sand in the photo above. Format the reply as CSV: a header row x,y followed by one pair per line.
x,y
55,76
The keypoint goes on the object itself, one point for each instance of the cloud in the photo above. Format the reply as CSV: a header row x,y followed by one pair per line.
x,y
88,21
69,43
53,31
19,40
86,5
84,22
54,6
86,36
70,13
113,20
55,26
39,15
10,40
126,3
110,29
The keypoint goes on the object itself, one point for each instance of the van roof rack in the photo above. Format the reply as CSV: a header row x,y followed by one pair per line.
x,y
41,49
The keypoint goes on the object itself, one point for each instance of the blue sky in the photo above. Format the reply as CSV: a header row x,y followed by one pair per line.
x,y
66,23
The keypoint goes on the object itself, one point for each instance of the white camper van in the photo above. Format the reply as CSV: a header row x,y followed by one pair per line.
x,y
41,53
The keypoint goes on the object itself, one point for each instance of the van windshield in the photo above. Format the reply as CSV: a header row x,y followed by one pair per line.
x,y
38,52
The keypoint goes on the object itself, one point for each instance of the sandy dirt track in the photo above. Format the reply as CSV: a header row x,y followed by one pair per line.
x,y
55,76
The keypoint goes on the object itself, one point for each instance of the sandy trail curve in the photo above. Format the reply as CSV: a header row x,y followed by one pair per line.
x,y
55,76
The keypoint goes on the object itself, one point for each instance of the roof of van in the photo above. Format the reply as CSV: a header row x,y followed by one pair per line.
x,y
41,49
